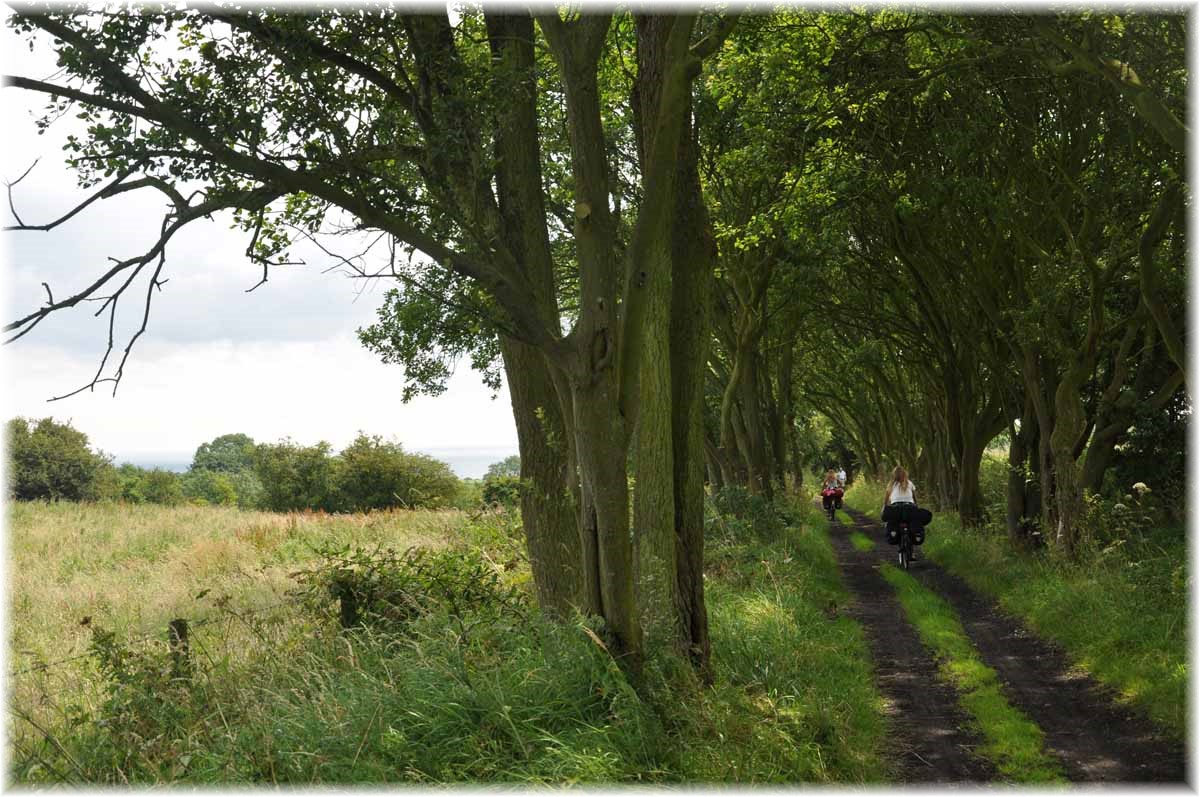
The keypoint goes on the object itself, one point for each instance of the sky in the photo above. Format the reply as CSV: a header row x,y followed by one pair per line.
x,y
281,361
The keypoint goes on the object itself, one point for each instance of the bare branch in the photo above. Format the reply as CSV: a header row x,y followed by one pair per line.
x,y
9,186
112,189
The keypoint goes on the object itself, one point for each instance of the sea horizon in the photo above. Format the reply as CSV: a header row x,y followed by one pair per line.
x,y
467,462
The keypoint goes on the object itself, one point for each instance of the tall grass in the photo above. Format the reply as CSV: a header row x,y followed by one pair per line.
x,y
474,694
1119,612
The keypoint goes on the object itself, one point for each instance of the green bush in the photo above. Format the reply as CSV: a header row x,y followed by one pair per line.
x,y
501,491
375,474
209,487
391,589
295,476
742,516
51,461
162,487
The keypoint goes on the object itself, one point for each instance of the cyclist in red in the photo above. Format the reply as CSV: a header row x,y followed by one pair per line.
x,y
831,491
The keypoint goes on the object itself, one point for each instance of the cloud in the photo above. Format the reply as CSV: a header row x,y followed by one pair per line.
x,y
176,396
280,361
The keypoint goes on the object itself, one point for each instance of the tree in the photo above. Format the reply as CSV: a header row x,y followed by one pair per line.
x,y
161,487
295,476
51,461
374,474
228,453
406,125
509,466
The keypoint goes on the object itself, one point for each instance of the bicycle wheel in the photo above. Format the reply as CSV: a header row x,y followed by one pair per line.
x,y
905,549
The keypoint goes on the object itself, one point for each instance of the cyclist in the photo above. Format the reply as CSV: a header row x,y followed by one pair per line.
x,y
899,503
841,477
831,491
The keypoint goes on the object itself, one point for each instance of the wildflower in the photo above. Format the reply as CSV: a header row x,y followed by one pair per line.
x,y
1118,507
1141,487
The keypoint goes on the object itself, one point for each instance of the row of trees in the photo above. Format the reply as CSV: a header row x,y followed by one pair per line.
x,y
981,233
686,238
53,461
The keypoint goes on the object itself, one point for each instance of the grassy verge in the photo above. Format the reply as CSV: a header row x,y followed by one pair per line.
x,y
493,692
1013,741
794,698
1120,614
861,541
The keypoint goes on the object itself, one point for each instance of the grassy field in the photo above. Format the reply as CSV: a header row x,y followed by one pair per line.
x,y
1120,613
279,693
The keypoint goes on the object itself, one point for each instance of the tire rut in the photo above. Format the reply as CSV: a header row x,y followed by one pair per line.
x,y
929,732
1096,739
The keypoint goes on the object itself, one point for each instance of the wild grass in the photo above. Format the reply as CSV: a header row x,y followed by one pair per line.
x,y
131,568
861,541
794,699
1119,612
1013,741
471,695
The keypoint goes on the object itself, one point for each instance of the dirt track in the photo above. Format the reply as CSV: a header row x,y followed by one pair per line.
x,y
1096,740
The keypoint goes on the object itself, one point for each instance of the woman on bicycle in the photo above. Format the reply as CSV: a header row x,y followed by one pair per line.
x,y
831,491
900,504
899,490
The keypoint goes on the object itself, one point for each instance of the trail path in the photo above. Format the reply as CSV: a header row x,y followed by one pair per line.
x,y
1096,739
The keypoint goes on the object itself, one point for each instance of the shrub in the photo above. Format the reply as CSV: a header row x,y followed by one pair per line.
x,y
209,487
162,487
375,474
742,516
51,461
501,491
295,476
391,589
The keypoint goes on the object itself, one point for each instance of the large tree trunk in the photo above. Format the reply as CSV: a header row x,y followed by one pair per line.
x,y
669,497
549,513
550,494
693,253
601,442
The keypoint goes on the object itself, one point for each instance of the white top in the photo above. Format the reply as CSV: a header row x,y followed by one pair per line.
x,y
841,476
896,493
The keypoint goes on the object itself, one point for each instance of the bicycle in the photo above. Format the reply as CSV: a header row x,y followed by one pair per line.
x,y
832,501
906,545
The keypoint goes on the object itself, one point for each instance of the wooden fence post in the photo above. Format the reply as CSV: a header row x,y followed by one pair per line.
x,y
349,607
177,635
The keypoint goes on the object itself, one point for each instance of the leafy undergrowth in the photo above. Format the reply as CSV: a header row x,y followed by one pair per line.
x,y
430,687
1012,741
1120,612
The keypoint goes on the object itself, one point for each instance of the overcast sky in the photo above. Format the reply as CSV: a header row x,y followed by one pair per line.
x,y
283,360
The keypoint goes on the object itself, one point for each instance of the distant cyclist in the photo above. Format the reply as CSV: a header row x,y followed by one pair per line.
x,y
831,492
841,477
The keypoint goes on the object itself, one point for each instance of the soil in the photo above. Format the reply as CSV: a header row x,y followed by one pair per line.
x,y
1096,739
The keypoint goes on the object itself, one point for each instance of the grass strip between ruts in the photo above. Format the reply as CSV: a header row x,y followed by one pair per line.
x,y
844,517
861,541
1012,741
